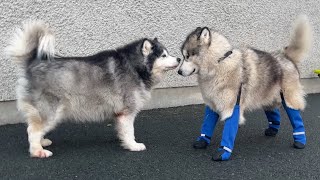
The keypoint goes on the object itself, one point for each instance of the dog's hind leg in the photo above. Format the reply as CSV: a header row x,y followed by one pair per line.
x,y
37,128
51,123
36,125
273,115
296,121
125,129
293,102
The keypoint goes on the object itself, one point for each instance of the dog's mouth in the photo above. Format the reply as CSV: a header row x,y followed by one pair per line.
x,y
171,67
194,70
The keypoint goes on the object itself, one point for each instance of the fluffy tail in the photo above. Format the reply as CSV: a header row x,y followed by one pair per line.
x,y
35,40
300,42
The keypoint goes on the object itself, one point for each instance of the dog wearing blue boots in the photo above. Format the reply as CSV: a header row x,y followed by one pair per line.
x,y
234,80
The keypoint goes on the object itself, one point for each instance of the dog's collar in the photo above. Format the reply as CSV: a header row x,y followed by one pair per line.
x,y
225,56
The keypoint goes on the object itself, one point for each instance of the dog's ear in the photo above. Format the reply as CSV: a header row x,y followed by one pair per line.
x,y
205,35
146,47
155,40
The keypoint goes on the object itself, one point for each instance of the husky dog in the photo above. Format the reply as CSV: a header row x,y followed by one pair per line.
x,y
110,84
264,80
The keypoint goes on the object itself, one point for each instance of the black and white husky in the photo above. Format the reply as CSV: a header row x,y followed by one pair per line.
x,y
110,84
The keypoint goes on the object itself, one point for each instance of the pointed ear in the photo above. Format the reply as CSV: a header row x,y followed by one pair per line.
x,y
155,40
205,35
146,47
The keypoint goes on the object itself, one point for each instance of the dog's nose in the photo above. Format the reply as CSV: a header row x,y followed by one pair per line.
x,y
180,72
178,59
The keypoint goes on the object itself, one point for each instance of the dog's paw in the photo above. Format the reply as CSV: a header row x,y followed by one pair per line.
x,y
135,146
299,145
41,153
272,132
46,142
201,144
222,155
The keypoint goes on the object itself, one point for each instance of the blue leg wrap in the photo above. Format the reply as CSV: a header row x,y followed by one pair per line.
x,y
273,118
209,123
296,121
274,122
229,135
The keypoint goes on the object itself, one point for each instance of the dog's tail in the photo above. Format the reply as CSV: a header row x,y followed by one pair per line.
x,y
34,41
300,42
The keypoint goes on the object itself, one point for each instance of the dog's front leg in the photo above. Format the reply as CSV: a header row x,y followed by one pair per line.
x,y
125,128
229,132
228,136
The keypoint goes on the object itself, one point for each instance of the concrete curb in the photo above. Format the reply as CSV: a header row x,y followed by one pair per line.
x,y
161,98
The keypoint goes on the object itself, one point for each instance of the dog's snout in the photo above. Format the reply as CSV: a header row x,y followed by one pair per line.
x,y
179,60
180,72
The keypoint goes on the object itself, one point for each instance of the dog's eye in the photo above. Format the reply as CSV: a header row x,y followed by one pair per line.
x,y
164,56
187,56
193,53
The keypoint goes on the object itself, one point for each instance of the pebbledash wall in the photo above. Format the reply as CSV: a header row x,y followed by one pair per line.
x,y
85,27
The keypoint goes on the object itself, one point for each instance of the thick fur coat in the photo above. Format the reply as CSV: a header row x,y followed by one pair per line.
x,y
260,75
110,84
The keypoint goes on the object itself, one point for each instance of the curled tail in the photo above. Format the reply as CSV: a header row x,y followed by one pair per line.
x,y
34,40
300,41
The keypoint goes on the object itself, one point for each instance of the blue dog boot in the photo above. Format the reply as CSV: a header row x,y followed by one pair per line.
x,y
296,121
274,122
223,154
228,136
299,134
208,125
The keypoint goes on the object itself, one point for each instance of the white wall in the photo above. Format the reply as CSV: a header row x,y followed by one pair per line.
x,y
85,27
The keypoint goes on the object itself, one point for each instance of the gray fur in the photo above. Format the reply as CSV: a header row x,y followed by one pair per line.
x,y
262,75
110,84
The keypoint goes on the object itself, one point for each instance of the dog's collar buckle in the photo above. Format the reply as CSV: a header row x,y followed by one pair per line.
x,y
225,56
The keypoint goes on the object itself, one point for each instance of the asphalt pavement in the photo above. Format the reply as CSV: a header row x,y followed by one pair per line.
x,y
92,151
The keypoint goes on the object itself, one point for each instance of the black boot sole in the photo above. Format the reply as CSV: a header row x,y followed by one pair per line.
x,y
271,132
201,144
299,145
